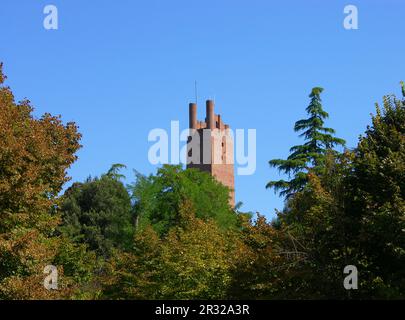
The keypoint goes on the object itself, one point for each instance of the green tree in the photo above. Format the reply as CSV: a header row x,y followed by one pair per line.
x,y
323,225
310,155
192,261
378,187
98,213
350,212
256,272
157,198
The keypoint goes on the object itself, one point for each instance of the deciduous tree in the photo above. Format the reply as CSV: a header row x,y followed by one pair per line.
x,y
34,156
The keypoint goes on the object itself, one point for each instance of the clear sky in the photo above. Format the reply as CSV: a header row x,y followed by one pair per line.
x,y
121,68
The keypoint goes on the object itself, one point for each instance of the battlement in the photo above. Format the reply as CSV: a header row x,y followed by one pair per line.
x,y
211,118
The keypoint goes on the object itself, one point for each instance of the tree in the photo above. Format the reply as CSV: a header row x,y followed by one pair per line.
x,y
157,198
98,213
258,258
192,261
378,188
350,212
310,155
34,157
323,225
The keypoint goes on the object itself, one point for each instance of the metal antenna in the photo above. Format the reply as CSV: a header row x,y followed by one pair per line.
x,y
195,88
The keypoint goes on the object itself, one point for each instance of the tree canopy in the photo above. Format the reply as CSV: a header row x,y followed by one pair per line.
x,y
98,213
158,198
351,212
34,156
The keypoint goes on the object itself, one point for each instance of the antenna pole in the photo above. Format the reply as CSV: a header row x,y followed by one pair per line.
x,y
195,88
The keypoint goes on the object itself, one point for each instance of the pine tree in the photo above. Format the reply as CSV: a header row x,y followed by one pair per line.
x,y
312,154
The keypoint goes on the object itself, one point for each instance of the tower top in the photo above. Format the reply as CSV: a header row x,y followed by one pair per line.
x,y
212,120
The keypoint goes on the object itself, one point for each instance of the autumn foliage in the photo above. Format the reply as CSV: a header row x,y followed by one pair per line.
x,y
34,156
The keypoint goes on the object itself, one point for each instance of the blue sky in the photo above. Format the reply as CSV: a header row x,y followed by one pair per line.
x,y
121,68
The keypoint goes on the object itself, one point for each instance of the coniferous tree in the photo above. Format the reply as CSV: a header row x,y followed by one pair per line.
x,y
312,154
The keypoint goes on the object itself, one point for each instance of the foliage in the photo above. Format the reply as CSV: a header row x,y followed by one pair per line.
x,y
191,262
259,261
310,155
173,235
98,213
34,156
158,198
351,212
319,219
379,197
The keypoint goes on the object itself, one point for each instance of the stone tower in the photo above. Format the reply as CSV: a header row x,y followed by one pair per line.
x,y
210,147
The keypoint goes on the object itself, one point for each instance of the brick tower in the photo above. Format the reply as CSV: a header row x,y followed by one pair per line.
x,y
210,147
